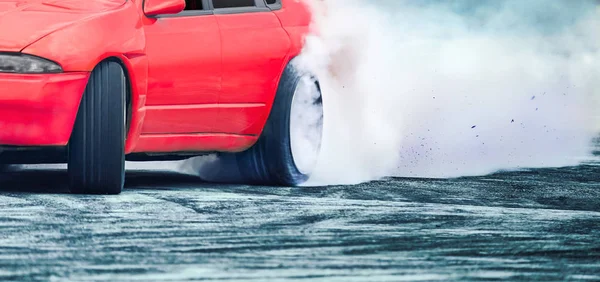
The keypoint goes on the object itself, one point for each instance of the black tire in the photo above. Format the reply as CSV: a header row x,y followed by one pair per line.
x,y
270,161
96,150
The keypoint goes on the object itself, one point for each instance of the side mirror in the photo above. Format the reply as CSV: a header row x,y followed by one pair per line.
x,y
163,7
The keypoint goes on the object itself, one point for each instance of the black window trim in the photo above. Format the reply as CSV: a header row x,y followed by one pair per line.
x,y
259,6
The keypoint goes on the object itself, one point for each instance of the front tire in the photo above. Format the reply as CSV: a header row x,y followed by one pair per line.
x,y
96,150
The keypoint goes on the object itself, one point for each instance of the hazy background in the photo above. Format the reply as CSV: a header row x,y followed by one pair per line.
x,y
454,88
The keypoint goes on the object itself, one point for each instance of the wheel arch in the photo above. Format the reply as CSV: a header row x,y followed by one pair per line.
x,y
291,62
135,71
117,35
294,62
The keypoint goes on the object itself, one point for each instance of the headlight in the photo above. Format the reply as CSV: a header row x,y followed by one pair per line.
x,y
22,63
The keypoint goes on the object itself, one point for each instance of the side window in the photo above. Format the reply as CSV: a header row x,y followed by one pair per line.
x,y
192,5
219,4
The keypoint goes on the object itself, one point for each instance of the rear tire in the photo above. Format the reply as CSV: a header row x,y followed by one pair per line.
x,y
275,159
96,150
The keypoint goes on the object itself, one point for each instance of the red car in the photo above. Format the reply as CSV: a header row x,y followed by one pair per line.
x,y
96,82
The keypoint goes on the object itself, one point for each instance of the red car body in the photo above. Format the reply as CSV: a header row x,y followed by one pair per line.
x,y
198,81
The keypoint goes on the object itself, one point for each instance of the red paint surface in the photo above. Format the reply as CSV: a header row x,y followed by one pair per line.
x,y
198,83
201,142
38,109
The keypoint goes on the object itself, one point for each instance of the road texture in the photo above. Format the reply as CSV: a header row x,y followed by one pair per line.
x,y
541,224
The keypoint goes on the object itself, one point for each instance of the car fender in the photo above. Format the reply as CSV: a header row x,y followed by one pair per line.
x,y
115,34
295,17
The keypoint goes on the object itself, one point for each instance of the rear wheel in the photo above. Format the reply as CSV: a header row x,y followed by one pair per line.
x,y
287,150
96,150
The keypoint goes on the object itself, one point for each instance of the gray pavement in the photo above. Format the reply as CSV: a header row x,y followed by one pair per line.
x,y
541,224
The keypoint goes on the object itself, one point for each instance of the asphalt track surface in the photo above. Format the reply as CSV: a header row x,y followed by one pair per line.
x,y
541,224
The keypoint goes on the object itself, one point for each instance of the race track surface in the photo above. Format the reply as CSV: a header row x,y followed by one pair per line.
x,y
539,224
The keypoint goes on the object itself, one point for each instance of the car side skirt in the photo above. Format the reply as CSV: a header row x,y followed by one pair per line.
x,y
194,142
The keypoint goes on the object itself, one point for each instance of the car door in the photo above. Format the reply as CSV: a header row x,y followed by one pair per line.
x,y
254,48
184,71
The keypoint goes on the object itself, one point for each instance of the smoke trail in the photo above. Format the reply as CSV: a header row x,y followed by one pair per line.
x,y
445,89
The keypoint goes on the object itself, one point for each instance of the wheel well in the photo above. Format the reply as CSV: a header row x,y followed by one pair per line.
x,y
299,71
293,62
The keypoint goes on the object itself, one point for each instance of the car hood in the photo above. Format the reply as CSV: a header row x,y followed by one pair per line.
x,y
22,22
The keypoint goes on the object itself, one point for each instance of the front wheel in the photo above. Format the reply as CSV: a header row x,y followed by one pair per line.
x,y
287,150
96,150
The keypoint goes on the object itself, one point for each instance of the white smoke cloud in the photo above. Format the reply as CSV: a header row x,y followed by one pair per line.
x,y
445,89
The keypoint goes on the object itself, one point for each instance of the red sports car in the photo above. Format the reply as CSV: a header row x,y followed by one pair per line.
x,y
96,82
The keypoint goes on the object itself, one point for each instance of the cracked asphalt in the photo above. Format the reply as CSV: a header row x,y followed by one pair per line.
x,y
541,224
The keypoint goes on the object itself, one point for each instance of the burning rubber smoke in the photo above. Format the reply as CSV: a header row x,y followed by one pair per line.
x,y
453,88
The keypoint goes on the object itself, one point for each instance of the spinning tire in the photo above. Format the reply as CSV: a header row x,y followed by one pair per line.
x,y
287,150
